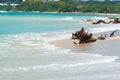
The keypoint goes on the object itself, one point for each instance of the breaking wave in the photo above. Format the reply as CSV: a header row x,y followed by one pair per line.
x,y
100,17
110,27
67,18
3,11
54,66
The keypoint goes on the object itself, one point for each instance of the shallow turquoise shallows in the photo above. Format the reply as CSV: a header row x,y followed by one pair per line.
x,y
21,22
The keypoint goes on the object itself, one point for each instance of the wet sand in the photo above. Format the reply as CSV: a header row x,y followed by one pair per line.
x,y
108,47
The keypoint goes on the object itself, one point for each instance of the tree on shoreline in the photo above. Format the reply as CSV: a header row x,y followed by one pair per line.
x,y
68,6
11,1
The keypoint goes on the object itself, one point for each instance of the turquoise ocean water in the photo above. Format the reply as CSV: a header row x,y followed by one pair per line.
x,y
25,52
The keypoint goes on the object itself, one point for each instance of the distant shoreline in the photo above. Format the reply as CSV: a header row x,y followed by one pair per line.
x,y
62,12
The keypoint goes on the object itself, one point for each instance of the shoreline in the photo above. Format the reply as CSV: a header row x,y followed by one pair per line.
x,y
108,47
63,12
58,42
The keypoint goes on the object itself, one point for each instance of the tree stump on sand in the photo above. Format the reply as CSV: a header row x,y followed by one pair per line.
x,y
83,36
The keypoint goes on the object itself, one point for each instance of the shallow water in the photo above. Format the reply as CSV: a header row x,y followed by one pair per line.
x,y
25,52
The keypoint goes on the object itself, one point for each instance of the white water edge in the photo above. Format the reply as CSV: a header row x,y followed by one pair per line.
x,y
38,43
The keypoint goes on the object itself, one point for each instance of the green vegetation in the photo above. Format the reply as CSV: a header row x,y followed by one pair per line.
x,y
66,6
10,1
6,8
61,6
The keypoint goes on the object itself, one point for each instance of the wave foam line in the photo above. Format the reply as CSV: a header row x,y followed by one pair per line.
x,y
67,18
54,66
103,29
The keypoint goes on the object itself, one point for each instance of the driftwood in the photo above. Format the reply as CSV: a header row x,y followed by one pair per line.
x,y
117,20
82,36
99,21
112,34
101,37
74,42
86,37
110,20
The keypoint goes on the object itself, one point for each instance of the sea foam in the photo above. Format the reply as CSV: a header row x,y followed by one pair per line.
x,y
54,66
67,18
